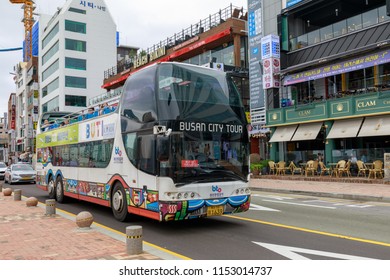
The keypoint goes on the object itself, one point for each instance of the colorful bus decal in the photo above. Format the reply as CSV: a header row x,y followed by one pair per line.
x,y
175,211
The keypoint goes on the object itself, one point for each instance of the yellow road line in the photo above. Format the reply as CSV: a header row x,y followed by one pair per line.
x,y
311,231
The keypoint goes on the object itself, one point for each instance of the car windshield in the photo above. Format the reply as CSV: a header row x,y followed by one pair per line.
x,y
22,167
2,164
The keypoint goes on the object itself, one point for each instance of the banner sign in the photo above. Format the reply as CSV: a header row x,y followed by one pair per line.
x,y
339,68
255,33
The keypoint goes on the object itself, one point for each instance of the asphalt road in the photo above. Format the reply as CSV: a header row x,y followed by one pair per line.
x,y
277,227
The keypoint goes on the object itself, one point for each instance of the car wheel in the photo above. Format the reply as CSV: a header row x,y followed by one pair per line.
x,y
59,189
119,203
50,188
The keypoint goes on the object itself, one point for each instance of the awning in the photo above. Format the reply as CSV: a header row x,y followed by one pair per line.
x,y
375,126
345,128
283,133
308,131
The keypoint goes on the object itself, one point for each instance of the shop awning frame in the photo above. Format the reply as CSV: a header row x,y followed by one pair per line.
x,y
375,126
347,128
307,131
283,133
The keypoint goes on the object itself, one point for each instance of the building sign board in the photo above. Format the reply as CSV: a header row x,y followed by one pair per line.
x,y
255,33
350,65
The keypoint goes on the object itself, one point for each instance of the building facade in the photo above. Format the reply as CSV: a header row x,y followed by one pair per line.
x,y
334,101
218,41
77,45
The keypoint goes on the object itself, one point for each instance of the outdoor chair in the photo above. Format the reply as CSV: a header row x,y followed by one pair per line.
x,y
281,168
323,168
335,170
376,170
346,169
362,169
311,167
272,167
294,169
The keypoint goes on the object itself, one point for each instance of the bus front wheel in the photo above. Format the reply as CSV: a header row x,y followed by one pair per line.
x,y
50,188
59,190
119,203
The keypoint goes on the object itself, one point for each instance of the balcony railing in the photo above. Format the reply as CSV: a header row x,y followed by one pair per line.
x,y
184,35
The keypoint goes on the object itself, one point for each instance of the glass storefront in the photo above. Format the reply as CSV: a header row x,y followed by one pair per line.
x,y
340,28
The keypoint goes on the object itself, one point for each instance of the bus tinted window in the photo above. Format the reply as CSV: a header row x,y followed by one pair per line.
x,y
138,101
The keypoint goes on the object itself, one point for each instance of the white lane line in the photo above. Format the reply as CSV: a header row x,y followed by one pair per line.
x,y
299,204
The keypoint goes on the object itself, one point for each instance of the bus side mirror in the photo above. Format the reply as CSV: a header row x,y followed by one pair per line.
x,y
162,148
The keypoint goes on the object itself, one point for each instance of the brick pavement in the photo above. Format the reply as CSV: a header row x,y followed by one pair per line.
x,y
26,233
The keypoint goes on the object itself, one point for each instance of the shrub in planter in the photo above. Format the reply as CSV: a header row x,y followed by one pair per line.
x,y
256,168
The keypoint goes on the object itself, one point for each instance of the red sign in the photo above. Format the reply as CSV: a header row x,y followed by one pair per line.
x,y
185,163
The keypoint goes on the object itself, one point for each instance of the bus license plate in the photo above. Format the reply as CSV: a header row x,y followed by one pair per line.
x,y
214,210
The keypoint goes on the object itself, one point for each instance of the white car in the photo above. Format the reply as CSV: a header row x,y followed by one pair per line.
x,y
19,172
3,167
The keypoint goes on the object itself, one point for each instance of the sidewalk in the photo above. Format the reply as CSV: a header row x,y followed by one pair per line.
x,y
345,190
26,233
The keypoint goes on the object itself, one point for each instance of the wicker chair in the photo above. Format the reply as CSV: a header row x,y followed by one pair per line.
x,y
362,169
272,167
377,169
323,168
293,168
281,168
345,170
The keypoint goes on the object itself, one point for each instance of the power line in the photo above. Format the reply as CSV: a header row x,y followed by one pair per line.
x,y
11,49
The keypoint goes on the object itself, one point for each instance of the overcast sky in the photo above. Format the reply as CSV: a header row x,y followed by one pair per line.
x,y
140,23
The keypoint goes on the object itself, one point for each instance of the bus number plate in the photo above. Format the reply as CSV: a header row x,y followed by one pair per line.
x,y
214,210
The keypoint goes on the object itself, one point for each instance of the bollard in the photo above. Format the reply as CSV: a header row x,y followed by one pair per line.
x,y
1,186
50,207
84,219
134,240
31,201
17,195
7,192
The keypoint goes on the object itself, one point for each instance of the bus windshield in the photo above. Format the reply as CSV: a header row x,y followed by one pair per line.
x,y
204,111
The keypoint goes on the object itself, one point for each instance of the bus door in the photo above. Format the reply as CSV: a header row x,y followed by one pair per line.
x,y
146,177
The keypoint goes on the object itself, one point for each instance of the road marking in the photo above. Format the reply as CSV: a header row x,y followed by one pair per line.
x,y
261,208
292,252
299,204
274,197
311,231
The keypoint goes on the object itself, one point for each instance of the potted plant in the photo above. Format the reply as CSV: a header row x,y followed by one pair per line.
x,y
256,167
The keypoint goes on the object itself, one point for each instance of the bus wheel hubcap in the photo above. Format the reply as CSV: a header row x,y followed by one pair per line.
x,y
118,201
51,186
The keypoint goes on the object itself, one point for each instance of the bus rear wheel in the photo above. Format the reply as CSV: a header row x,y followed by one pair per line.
x,y
59,190
119,203
50,188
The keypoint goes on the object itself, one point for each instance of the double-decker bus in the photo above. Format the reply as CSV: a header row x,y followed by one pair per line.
x,y
176,147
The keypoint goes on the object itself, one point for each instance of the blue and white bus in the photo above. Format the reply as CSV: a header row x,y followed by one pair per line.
x,y
176,147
